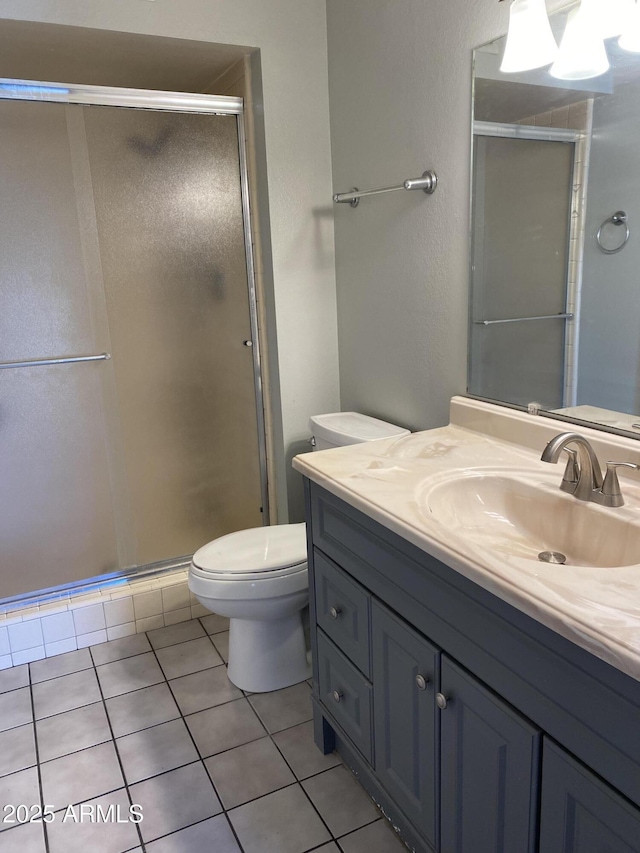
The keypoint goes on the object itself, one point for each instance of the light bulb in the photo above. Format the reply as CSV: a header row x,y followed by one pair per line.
x,y
630,38
582,51
530,41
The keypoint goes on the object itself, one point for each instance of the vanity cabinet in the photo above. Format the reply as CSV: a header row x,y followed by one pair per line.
x,y
489,769
457,712
405,677
581,814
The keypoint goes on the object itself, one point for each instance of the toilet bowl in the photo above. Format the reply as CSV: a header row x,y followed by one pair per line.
x,y
259,579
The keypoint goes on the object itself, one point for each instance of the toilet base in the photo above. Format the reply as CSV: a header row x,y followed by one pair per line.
x,y
268,655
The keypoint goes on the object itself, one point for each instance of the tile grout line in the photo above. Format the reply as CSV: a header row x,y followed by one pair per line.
x,y
115,746
45,832
195,745
298,782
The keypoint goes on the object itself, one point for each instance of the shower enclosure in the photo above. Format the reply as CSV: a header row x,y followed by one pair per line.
x,y
131,418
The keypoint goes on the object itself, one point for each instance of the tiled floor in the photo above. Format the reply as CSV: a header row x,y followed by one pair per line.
x,y
152,719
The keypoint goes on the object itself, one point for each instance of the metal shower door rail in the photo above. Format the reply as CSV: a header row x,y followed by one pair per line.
x,y
109,96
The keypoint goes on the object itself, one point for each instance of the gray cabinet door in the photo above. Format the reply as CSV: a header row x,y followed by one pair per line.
x,y
404,717
580,813
489,770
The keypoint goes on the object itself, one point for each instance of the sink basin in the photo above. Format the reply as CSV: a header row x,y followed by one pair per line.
x,y
525,513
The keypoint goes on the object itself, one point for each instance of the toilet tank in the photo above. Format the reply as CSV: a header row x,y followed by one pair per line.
x,y
341,428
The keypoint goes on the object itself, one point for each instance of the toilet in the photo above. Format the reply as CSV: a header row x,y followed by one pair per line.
x,y
258,578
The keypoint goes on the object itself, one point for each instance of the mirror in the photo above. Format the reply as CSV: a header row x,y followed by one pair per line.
x,y
555,251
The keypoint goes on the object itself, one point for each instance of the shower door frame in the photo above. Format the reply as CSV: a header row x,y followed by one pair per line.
x,y
177,102
577,138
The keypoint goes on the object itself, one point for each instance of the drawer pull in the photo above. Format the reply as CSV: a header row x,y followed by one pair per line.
x,y
422,682
337,695
441,701
334,612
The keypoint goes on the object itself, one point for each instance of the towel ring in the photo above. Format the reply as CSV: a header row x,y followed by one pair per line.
x,y
619,218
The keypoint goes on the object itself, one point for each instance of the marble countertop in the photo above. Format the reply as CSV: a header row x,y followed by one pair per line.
x,y
596,608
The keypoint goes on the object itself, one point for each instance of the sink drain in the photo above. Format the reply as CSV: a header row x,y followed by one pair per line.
x,y
552,557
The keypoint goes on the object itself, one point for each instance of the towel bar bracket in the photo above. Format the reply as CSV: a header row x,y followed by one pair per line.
x,y
427,183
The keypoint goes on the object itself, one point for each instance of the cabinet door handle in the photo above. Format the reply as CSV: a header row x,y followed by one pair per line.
x,y
337,695
334,612
422,682
442,701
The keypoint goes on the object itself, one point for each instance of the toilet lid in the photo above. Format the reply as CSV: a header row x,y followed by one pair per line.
x,y
259,549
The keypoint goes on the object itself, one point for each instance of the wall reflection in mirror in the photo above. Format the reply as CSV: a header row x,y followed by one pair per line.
x,y
555,255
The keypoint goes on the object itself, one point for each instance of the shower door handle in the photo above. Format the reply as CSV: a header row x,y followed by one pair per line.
x,y
45,362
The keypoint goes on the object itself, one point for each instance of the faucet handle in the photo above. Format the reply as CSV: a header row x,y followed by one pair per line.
x,y
572,471
610,491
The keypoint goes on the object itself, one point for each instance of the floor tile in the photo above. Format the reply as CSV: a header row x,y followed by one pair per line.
x,y
209,836
248,771
81,776
284,821
14,678
28,838
224,727
221,642
188,657
99,837
17,749
43,670
22,787
332,847
156,750
204,690
378,836
299,748
180,633
134,673
283,708
143,708
15,708
214,624
341,801
175,800
126,647
65,693
71,731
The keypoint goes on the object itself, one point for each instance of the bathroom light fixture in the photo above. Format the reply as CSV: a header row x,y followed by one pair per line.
x,y
630,38
609,17
582,52
530,41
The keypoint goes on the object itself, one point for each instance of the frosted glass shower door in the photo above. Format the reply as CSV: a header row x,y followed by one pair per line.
x,y
123,232
166,189
56,510
521,227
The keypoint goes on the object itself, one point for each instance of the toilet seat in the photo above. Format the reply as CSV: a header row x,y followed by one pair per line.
x,y
257,564
255,553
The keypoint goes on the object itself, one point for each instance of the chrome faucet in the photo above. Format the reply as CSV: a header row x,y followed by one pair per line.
x,y
583,477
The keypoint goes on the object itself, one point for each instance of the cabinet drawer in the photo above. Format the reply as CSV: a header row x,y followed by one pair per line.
x,y
346,694
342,611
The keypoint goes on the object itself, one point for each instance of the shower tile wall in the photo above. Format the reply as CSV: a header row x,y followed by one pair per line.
x,y
73,620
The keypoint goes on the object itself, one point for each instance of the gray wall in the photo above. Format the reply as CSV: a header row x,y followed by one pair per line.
x,y
609,348
291,35
400,96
